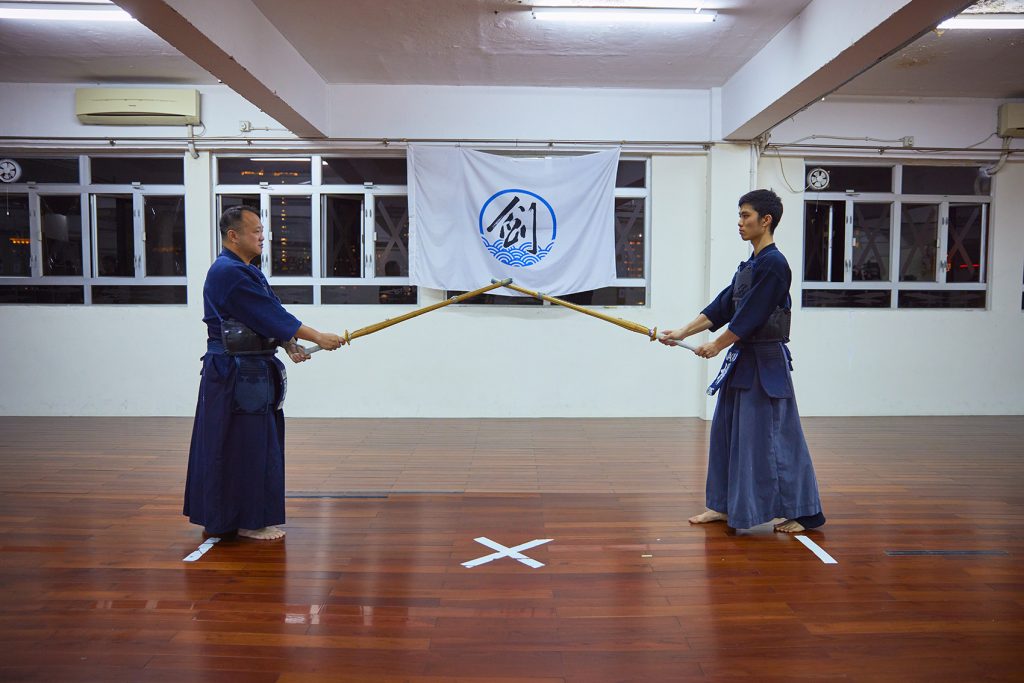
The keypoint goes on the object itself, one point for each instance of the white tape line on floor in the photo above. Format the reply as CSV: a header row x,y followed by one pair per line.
x,y
816,549
201,550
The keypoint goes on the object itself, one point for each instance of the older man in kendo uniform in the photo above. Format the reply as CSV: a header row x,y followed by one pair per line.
x,y
236,461
759,467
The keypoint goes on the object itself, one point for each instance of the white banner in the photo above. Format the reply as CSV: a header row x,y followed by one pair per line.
x,y
549,224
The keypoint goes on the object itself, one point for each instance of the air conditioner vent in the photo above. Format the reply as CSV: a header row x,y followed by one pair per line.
x,y
1011,120
137,106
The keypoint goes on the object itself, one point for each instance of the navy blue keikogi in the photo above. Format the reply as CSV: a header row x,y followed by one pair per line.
x,y
759,467
236,459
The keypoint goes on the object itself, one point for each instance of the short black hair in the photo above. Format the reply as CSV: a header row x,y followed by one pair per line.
x,y
231,219
766,203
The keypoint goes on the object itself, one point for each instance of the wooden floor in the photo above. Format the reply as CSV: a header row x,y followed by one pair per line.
x,y
368,584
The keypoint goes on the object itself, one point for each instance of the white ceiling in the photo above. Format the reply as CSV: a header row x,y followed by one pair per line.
x,y
91,52
496,42
985,64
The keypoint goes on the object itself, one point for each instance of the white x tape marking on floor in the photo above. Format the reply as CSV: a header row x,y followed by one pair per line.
x,y
201,550
504,551
816,549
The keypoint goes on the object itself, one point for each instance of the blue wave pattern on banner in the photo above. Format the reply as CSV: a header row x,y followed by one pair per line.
x,y
518,256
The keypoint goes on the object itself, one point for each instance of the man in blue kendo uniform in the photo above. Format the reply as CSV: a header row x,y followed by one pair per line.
x,y
236,460
759,468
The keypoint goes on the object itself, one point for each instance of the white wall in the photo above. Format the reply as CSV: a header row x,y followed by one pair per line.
x,y
908,362
460,361
137,360
911,362
398,112
48,110
932,122
478,112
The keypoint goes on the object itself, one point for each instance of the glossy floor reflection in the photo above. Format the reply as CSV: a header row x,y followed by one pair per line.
x,y
368,584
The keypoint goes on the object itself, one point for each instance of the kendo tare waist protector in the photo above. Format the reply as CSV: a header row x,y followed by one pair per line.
x,y
240,340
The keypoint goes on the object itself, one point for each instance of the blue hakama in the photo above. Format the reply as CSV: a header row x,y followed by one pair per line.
x,y
759,466
236,458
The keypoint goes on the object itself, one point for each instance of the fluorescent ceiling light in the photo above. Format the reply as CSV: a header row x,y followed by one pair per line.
x,y
617,15
985,21
57,11
61,2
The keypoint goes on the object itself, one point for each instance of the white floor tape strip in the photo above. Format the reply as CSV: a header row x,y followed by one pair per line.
x,y
201,550
816,549
504,551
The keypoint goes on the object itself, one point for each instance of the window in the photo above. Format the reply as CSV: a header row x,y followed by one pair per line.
x,y
631,252
337,227
94,230
895,236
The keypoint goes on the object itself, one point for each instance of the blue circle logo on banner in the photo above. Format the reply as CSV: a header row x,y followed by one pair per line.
x,y
518,227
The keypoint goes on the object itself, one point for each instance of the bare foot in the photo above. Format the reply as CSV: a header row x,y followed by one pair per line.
x,y
790,526
708,516
267,533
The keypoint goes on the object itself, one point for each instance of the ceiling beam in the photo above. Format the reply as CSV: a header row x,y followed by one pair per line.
x,y
235,42
829,43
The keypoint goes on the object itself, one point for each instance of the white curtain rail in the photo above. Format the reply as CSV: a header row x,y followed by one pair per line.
x,y
216,144
887,151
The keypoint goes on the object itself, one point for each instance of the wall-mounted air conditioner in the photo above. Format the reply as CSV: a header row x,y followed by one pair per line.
x,y
1011,120
137,106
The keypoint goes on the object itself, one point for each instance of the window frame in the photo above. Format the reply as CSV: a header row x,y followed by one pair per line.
x,y
896,199
315,191
87,193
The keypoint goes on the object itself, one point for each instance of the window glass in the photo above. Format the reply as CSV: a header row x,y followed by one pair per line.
x,y
938,242
145,170
871,229
46,170
61,224
606,296
225,202
945,180
919,232
857,178
367,294
291,226
229,200
352,245
824,240
391,228
609,296
629,237
115,235
360,170
294,294
491,299
964,240
343,235
138,294
846,298
256,170
39,294
631,174
126,231
165,235
935,298
15,241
